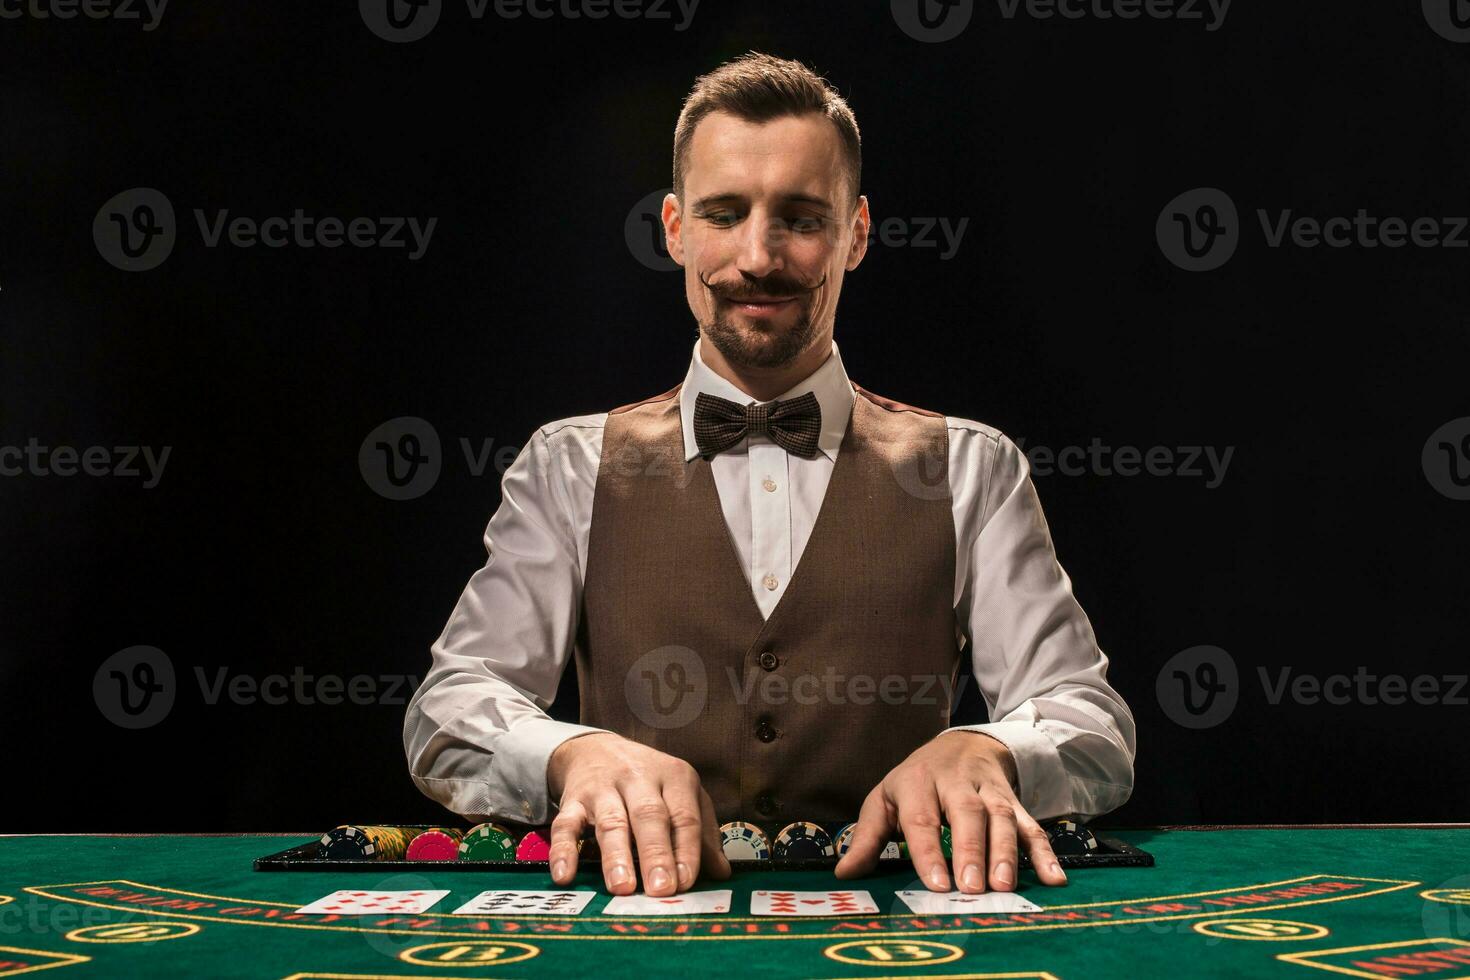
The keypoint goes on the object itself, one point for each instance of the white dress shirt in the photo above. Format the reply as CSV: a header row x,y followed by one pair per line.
x,y
477,734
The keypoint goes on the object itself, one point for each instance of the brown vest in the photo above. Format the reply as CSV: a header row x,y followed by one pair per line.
x,y
795,717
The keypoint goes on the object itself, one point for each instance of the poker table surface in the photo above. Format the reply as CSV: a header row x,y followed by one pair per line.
x,y
1220,902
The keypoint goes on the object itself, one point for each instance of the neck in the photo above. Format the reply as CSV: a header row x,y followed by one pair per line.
x,y
765,383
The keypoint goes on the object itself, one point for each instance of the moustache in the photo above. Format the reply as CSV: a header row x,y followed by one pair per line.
x,y
771,286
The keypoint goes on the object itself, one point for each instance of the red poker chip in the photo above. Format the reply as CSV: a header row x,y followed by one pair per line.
x,y
433,845
535,846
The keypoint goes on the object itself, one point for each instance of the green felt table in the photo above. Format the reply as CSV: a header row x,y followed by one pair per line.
x,y
1289,902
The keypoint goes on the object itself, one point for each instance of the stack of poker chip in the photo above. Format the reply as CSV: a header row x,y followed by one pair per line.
x,y
435,844
363,842
488,842
1071,837
843,841
743,841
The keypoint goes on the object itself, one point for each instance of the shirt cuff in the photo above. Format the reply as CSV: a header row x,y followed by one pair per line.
x,y
1042,785
521,756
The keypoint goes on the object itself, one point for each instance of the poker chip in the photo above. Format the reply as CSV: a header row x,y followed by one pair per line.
x,y
843,842
435,844
535,846
1070,837
946,846
743,841
802,839
358,842
487,842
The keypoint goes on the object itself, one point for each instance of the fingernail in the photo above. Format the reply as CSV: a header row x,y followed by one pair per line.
x,y
619,874
658,878
559,868
1056,869
1005,874
973,877
683,870
937,876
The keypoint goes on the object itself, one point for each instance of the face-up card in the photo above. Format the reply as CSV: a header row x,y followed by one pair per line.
x,y
689,903
351,902
811,903
526,903
986,903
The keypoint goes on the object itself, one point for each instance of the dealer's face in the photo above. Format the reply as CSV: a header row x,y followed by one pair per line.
x,y
765,232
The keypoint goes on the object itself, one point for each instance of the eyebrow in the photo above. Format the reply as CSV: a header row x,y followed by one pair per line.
x,y
731,197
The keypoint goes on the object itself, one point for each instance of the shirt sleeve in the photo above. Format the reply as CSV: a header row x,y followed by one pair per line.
x,y
1037,662
477,734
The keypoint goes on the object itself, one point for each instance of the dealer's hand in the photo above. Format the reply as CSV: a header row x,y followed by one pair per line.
x,y
626,790
966,780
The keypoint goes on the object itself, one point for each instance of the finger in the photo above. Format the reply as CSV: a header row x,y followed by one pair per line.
x,y
681,797
871,833
1002,856
919,816
966,819
566,831
649,816
611,821
1038,847
714,862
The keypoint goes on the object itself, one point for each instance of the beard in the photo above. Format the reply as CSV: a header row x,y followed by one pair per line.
x,y
760,346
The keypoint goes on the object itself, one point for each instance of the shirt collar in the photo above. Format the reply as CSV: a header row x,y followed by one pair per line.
x,y
829,383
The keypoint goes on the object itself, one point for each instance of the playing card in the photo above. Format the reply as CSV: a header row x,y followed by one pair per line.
x,y
526,903
986,903
689,903
811,903
348,901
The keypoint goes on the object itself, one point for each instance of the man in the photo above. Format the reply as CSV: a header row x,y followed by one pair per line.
x,y
763,530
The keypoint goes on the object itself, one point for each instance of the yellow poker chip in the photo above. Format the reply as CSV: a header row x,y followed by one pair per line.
x,y
743,841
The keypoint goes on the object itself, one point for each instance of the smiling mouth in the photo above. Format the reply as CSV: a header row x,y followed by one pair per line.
x,y
761,305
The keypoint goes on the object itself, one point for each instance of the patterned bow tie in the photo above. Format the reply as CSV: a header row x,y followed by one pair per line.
x,y
793,424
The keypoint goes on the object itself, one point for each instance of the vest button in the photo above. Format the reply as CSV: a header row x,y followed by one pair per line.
x,y
765,732
765,804
768,660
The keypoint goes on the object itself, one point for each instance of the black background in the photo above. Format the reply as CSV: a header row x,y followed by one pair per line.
x,y
1059,320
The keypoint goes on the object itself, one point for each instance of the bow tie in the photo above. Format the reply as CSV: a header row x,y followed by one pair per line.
x,y
793,424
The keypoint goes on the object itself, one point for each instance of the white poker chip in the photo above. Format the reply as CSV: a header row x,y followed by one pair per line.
x,y
743,841
843,842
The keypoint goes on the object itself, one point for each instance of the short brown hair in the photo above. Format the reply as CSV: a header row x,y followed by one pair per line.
x,y
758,87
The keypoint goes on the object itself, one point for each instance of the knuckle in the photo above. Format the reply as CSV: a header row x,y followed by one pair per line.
x,y
649,810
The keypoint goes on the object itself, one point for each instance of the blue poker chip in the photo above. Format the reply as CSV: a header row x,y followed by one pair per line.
x,y
843,842
802,839
743,841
